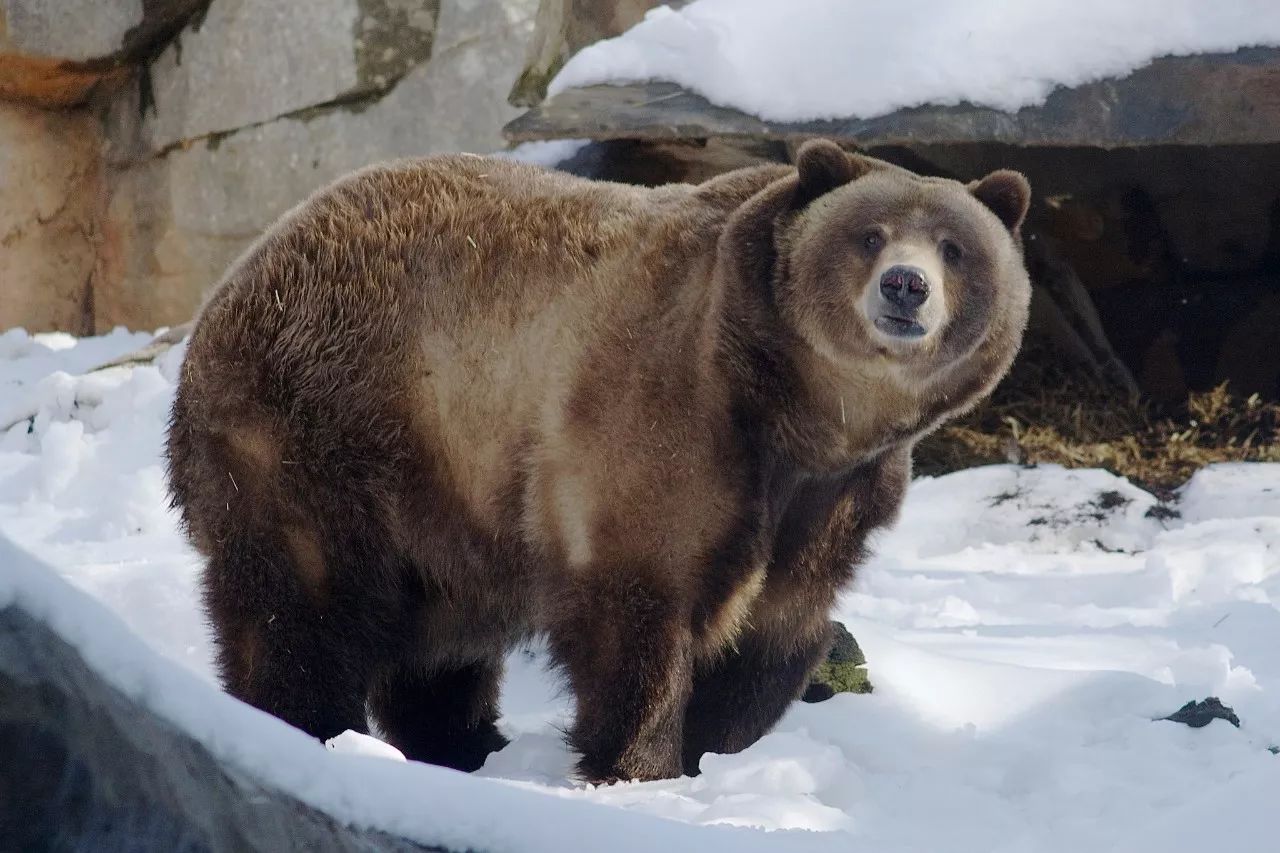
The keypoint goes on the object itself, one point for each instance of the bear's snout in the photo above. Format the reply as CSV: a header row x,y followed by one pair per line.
x,y
904,287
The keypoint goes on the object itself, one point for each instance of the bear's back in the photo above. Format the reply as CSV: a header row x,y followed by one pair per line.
x,y
452,299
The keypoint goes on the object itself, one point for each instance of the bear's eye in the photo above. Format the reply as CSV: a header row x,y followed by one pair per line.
x,y
951,252
872,241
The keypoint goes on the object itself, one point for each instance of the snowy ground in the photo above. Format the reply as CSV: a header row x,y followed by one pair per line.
x,y
814,59
1023,626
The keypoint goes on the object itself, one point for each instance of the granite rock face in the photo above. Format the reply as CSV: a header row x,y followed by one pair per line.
x,y
89,31
54,52
198,176
563,28
86,768
74,29
251,61
50,200
175,131
1204,99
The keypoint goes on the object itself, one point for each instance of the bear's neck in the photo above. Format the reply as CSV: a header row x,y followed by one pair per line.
x,y
812,414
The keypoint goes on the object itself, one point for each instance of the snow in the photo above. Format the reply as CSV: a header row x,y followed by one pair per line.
x,y
1024,627
549,153
356,743
797,60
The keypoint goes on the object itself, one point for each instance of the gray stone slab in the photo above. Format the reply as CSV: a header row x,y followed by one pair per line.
x,y
54,53
176,221
563,27
87,768
89,31
78,30
50,196
1219,99
252,61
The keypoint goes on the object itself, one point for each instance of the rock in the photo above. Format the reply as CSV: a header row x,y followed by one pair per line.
x,y
177,220
156,347
85,31
46,82
1207,99
1197,715
166,241
252,107
53,52
252,61
77,30
86,768
844,670
50,198
845,648
563,28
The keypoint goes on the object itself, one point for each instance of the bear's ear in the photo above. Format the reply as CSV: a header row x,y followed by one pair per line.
x,y
823,166
1007,194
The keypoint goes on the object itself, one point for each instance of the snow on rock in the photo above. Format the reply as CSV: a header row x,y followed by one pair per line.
x,y
1024,628
797,60
549,153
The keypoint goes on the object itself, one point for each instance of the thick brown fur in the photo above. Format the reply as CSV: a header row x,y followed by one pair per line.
x,y
448,404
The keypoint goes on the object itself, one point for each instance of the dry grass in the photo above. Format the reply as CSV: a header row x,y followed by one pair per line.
x,y
1042,413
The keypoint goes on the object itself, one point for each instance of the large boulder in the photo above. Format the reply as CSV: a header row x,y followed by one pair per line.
x,y
87,768
182,209
563,28
50,200
251,61
219,118
53,52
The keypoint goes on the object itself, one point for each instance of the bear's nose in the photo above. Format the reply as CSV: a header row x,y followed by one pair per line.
x,y
904,287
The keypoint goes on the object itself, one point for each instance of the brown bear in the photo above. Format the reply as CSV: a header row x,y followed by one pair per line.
x,y
449,404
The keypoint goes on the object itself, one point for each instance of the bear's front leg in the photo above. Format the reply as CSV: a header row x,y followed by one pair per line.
x,y
738,696
623,637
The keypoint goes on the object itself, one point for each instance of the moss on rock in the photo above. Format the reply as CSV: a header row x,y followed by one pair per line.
x,y
844,670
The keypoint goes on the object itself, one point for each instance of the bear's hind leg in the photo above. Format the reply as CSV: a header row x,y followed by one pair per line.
x,y
301,654
441,714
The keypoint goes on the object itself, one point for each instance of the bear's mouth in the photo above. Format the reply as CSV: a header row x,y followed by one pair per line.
x,y
899,327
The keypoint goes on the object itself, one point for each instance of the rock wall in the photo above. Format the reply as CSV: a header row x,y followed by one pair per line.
x,y
564,27
50,206
201,122
55,53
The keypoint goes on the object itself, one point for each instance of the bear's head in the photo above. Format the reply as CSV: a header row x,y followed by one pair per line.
x,y
908,294
881,263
